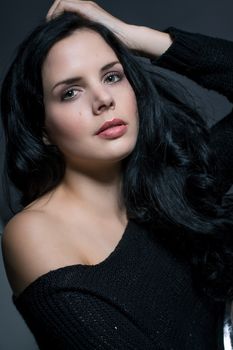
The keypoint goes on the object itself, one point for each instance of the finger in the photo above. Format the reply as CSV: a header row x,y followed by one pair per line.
x,y
69,6
52,9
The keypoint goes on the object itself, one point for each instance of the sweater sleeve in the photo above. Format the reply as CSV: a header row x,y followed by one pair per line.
x,y
204,59
209,62
80,320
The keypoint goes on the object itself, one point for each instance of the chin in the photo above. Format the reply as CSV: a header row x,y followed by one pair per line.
x,y
123,155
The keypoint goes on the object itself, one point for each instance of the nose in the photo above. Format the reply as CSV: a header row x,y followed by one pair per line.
x,y
102,100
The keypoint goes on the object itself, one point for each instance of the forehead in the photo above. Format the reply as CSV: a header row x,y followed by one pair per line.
x,y
82,49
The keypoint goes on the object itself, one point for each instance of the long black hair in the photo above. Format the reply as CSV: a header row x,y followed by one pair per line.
x,y
169,179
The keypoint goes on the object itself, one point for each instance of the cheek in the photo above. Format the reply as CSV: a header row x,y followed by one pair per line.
x,y
128,95
62,122
131,103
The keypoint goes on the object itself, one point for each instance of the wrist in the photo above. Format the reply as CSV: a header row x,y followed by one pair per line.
x,y
148,41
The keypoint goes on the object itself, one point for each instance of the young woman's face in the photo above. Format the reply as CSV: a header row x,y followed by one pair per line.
x,y
85,86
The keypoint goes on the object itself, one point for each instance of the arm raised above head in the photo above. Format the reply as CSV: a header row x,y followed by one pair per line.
x,y
204,59
149,42
207,61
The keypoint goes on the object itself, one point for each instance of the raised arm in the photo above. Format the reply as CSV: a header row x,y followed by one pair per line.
x,y
208,61
204,59
149,42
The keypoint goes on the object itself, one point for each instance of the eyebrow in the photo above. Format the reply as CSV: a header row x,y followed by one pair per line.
x,y
76,79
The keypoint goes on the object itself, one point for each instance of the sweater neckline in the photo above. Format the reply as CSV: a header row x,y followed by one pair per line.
x,y
53,273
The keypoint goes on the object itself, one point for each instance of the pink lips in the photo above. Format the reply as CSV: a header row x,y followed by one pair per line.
x,y
113,132
110,124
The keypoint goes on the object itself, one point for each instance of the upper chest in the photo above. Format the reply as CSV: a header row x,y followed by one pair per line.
x,y
82,240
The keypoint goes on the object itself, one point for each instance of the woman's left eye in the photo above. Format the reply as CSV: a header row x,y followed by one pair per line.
x,y
113,77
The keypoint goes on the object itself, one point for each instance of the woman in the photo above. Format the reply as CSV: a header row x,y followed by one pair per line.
x,y
125,239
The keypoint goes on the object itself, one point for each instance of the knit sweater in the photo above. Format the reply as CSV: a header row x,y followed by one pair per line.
x,y
142,295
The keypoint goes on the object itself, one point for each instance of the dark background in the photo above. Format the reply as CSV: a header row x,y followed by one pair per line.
x,y
17,18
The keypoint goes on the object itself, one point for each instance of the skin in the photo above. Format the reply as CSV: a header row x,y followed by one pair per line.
x,y
74,112
147,41
71,224
82,220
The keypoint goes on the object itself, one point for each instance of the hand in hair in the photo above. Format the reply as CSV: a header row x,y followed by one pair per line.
x,y
92,11
149,42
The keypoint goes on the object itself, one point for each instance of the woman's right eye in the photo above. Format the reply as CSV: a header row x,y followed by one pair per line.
x,y
69,94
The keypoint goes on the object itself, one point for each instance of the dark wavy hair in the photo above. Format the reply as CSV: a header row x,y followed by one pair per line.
x,y
169,179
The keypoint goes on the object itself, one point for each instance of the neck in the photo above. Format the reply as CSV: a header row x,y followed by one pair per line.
x,y
97,190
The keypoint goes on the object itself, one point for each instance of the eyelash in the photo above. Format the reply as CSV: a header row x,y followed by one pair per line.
x,y
64,98
120,75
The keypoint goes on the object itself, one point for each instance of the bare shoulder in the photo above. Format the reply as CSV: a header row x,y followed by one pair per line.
x,y
32,245
23,241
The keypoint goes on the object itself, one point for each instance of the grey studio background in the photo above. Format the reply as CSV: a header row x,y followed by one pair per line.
x,y
17,18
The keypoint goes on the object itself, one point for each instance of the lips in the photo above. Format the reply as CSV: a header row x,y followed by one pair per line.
x,y
110,124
